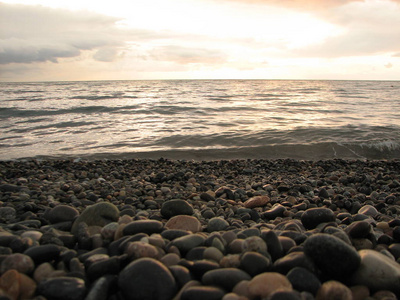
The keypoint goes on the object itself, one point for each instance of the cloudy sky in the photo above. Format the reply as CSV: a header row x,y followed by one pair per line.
x,y
199,39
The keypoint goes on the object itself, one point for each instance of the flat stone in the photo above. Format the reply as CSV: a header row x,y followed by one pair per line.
x,y
176,207
62,288
184,222
155,281
99,214
332,290
312,217
276,211
143,226
377,271
368,210
332,255
257,201
226,278
264,284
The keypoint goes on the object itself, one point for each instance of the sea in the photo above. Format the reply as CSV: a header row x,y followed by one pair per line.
x,y
200,120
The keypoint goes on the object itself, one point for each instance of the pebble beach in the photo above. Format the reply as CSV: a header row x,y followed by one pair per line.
x,y
175,229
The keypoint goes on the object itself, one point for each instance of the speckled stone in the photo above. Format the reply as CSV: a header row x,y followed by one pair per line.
x,y
184,222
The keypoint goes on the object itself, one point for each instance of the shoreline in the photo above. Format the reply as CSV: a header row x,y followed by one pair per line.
x,y
216,228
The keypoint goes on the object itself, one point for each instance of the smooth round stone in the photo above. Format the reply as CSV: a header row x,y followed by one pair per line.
x,y
143,226
17,285
176,207
61,213
202,293
254,263
171,234
360,292
187,242
368,210
312,217
33,235
303,280
226,278
19,262
285,295
292,260
217,224
99,214
359,229
264,284
184,222
170,259
332,290
43,271
394,249
331,255
195,253
43,253
276,211
287,243
146,279
62,288
256,201
102,268
108,231
377,271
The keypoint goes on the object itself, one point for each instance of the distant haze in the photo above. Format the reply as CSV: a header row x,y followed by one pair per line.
x,y
42,40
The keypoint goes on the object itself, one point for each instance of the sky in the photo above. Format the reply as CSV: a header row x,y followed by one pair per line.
x,y
53,40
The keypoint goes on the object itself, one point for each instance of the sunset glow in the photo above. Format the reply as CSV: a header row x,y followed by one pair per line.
x,y
175,39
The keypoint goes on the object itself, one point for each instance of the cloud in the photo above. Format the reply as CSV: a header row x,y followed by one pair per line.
x,y
31,34
188,55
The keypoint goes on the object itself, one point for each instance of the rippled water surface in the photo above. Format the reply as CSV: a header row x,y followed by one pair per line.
x,y
200,119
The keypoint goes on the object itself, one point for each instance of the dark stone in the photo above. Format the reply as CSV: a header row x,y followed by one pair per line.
x,y
146,279
62,288
332,256
202,293
303,280
276,211
181,275
43,253
100,289
292,260
226,278
176,207
285,295
273,244
187,242
358,229
200,267
254,263
312,217
195,253
61,213
171,234
143,226
102,268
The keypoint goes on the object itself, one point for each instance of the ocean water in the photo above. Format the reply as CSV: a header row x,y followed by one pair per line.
x,y
200,119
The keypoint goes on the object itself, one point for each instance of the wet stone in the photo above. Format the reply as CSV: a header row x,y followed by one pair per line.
x,y
154,283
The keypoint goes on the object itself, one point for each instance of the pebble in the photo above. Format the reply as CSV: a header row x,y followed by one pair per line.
x,y
99,214
176,207
312,217
257,201
331,255
332,290
155,281
62,288
192,221
377,272
217,224
183,222
264,284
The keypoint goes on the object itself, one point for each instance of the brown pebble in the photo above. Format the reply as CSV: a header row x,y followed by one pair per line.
x,y
359,292
17,261
332,290
184,222
265,284
141,249
257,201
